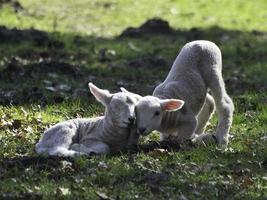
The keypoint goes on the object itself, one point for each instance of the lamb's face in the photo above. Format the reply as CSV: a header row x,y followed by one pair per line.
x,y
148,114
119,106
150,110
121,109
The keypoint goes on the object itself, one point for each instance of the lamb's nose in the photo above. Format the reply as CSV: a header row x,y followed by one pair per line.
x,y
131,119
142,130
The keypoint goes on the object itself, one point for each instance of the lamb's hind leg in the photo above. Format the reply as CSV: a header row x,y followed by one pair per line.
x,y
224,108
57,140
91,148
63,151
205,114
211,70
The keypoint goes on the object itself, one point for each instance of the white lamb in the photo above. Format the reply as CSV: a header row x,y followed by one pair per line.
x,y
181,106
107,134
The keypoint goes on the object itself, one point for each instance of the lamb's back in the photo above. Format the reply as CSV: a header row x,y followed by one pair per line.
x,y
87,127
189,76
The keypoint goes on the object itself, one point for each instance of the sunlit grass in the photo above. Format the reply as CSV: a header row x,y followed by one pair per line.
x,y
109,18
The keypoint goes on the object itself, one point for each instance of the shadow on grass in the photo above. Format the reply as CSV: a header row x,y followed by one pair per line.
x,y
42,162
45,68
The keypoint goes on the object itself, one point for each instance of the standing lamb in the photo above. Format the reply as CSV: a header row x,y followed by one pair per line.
x,y
181,106
107,134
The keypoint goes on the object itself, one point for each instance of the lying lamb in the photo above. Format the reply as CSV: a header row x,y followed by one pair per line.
x,y
196,69
107,134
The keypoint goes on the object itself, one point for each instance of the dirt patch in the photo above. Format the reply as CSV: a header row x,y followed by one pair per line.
x,y
151,26
43,82
15,5
159,26
39,38
151,61
47,82
168,145
37,161
15,68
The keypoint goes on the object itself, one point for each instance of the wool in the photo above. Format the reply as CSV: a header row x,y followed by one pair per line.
x,y
196,70
100,135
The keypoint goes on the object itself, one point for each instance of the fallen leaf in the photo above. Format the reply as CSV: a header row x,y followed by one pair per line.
x,y
103,196
133,47
247,181
102,165
159,152
64,191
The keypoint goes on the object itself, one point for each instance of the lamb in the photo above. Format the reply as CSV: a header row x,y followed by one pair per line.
x,y
106,134
181,105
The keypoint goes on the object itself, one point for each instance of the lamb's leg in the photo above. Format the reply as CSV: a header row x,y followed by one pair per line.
x,y
56,140
185,130
62,151
133,138
211,70
224,108
205,114
132,142
95,147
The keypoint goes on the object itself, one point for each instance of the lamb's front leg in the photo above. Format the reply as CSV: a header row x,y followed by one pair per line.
x,y
205,114
186,128
93,148
204,139
133,137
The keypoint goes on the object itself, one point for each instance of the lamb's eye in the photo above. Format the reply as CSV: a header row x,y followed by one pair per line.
x,y
156,113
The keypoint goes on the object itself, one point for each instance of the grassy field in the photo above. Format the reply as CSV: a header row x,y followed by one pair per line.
x,y
50,50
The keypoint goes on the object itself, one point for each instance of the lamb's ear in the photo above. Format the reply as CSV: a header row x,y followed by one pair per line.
x,y
124,90
103,96
171,104
137,96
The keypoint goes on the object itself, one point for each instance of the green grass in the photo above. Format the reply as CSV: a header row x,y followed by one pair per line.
x,y
81,44
109,18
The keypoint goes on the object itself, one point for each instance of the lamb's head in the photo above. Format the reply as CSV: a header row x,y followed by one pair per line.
x,y
149,112
120,107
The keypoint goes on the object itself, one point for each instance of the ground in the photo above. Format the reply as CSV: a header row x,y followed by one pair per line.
x,y
50,50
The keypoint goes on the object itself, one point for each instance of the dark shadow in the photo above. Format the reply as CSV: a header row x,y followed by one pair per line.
x,y
44,68
14,4
43,163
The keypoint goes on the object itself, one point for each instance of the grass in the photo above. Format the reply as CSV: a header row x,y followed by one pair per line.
x,y
44,78
97,17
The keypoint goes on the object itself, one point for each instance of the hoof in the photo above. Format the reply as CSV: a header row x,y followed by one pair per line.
x,y
204,139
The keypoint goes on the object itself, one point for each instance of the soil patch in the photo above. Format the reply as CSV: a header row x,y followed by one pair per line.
x,y
168,145
38,161
151,26
39,38
13,3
